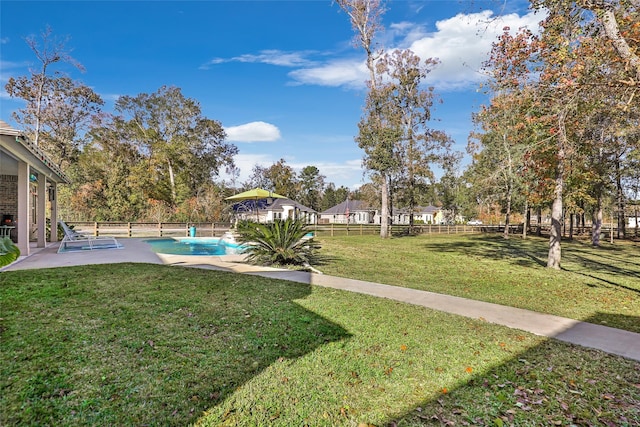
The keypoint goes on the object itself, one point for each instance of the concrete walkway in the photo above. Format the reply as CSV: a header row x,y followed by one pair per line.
x,y
610,340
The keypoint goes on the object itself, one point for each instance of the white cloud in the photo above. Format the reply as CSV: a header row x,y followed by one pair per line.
x,y
351,73
253,132
461,43
348,173
271,57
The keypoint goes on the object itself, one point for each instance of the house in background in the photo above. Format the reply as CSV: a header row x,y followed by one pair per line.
x,y
287,208
359,212
275,209
349,212
421,215
28,189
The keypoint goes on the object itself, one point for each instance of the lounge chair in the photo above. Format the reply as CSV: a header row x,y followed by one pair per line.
x,y
78,241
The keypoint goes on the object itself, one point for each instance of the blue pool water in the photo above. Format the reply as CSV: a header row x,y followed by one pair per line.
x,y
194,246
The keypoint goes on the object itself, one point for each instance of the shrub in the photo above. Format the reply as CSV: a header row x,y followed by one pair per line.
x,y
282,242
9,252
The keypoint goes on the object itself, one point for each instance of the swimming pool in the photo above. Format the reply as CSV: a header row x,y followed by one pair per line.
x,y
194,246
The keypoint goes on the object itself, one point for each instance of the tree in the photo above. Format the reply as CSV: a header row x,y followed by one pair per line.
x,y
311,187
499,149
258,179
451,189
374,137
625,44
71,111
329,198
58,110
283,179
279,178
410,104
569,66
108,181
183,150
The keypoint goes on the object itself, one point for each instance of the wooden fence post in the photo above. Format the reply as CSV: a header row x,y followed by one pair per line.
x,y
160,229
129,228
96,231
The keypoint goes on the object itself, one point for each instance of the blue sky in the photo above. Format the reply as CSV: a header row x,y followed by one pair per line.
x,y
283,77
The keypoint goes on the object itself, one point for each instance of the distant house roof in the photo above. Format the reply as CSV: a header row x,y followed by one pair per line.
x,y
21,147
352,205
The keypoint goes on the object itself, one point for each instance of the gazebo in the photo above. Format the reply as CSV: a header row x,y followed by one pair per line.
x,y
28,180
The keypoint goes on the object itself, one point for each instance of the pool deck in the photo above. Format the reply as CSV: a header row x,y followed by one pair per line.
x,y
611,340
133,250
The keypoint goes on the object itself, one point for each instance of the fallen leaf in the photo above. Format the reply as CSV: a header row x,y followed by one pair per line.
x,y
403,347
469,369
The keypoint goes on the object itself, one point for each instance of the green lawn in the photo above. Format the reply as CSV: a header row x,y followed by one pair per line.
x,y
136,344
598,285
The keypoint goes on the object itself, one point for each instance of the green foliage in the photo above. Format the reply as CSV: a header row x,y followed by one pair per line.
x,y
311,186
9,252
281,242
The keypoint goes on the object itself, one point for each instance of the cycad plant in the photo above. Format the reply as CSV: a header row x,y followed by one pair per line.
x,y
282,242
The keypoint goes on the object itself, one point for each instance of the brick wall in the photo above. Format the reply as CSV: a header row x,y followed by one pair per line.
x,y
9,195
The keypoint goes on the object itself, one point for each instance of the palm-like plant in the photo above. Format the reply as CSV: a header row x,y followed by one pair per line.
x,y
282,242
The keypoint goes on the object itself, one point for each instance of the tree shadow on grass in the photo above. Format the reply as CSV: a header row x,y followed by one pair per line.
x,y
607,269
577,257
137,344
554,383
524,253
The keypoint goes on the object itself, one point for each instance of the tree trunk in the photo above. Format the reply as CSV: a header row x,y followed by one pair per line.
x,y
597,223
539,228
571,216
384,208
507,217
38,114
172,181
621,217
612,30
527,219
555,251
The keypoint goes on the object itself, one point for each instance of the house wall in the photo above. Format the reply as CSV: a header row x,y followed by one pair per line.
x,y
9,196
357,217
